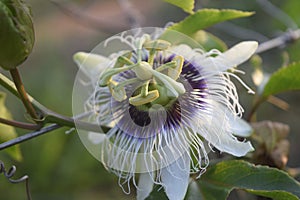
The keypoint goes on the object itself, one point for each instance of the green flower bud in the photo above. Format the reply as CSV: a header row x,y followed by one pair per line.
x,y
16,33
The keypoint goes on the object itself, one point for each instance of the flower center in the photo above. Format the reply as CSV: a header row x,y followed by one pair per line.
x,y
151,105
157,85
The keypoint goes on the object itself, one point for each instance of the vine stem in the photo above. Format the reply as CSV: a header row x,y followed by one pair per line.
x,y
23,94
288,37
22,125
28,136
49,115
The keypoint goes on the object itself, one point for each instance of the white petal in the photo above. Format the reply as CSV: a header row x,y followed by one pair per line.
x,y
240,127
225,142
91,64
240,52
96,138
234,146
232,57
145,186
183,50
217,131
175,178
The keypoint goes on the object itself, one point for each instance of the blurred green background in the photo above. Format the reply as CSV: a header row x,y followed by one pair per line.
x,y
58,164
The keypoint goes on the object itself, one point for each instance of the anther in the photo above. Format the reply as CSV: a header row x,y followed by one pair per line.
x,y
175,72
141,100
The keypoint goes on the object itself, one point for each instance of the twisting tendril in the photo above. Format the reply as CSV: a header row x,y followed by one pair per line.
x,y
10,173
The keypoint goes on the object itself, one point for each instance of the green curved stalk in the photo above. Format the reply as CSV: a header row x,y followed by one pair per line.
x,y
23,94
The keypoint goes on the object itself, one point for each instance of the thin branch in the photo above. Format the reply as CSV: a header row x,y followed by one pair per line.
x,y
18,124
280,41
28,136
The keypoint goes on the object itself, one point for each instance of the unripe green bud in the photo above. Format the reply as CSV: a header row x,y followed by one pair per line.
x,y
16,33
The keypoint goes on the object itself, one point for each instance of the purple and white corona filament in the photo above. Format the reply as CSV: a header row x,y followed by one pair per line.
x,y
166,104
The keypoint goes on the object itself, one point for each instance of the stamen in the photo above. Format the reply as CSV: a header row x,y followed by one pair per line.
x,y
145,88
106,77
158,45
171,64
140,100
127,82
121,61
125,60
154,46
174,73
118,93
140,43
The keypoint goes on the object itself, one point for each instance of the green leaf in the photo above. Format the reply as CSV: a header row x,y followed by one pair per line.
x,y
285,79
275,195
16,33
219,180
157,193
208,41
186,5
206,17
201,39
8,132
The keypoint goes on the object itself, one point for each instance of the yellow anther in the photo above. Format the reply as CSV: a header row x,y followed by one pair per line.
x,y
174,72
171,64
118,93
157,45
141,100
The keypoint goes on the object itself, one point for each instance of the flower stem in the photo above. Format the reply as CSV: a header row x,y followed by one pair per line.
x,y
257,103
22,93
